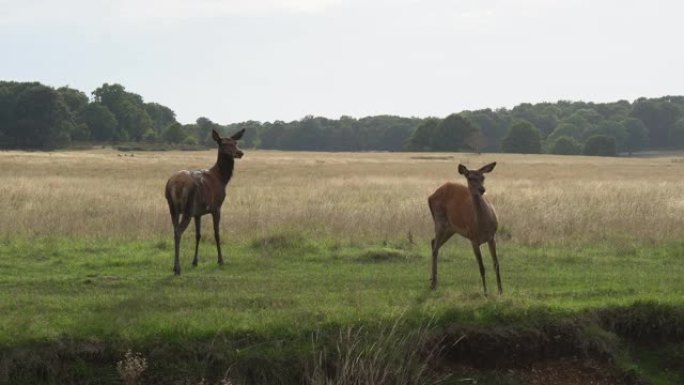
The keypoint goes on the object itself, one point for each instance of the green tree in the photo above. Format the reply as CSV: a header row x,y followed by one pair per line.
x,y
175,134
451,133
637,135
421,137
493,125
600,145
659,116
677,134
522,138
566,145
75,100
39,119
128,108
100,121
160,116
610,128
566,129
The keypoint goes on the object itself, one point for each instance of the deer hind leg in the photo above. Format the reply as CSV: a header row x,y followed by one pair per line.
x,y
492,252
198,236
176,239
478,256
216,216
177,233
442,234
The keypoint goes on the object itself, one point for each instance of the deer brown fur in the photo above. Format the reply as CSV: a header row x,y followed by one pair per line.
x,y
457,209
195,193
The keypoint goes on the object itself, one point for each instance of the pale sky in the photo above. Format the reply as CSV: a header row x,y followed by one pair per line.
x,y
266,60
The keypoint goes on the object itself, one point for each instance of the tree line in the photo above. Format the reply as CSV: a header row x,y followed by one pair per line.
x,y
36,116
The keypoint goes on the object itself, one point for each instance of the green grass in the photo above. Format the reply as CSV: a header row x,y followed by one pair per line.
x,y
273,294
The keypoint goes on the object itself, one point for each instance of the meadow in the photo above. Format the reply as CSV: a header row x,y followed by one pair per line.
x,y
324,246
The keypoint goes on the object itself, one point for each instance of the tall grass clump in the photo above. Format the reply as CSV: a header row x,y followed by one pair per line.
x,y
391,356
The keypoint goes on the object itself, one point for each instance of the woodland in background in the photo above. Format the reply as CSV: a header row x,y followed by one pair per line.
x,y
36,116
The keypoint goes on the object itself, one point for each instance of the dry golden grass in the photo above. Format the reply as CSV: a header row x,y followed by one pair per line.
x,y
540,199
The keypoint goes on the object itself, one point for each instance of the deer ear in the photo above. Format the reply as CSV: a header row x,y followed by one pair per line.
x,y
238,135
462,169
487,168
215,136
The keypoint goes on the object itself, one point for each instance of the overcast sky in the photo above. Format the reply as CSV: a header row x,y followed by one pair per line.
x,y
266,60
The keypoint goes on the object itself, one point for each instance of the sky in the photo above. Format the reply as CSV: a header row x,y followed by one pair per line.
x,y
266,60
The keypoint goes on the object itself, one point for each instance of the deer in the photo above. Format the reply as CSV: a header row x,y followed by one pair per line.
x,y
195,193
466,211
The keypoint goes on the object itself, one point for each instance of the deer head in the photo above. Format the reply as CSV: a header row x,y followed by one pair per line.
x,y
476,178
229,146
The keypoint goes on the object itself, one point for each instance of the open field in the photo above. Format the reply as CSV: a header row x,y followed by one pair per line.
x,y
317,244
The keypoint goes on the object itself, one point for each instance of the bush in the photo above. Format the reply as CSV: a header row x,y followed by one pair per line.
x,y
600,145
566,145
522,138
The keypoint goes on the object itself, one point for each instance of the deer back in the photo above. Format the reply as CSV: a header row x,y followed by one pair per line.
x,y
196,192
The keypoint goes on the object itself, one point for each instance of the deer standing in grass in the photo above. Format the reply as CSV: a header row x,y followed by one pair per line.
x,y
465,210
199,192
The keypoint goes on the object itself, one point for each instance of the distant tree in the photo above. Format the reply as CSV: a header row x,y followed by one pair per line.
x,y
543,116
421,137
75,100
566,145
476,141
566,129
637,135
492,124
269,137
100,121
616,111
600,145
175,134
160,116
202,130
659,116
128,108
250,138
610,128
451,133
150,136
677,134
522,138
39,119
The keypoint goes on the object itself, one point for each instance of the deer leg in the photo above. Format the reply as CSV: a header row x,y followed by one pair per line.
x,y
492,251
176,240
441,236
198,236
177,233
478,256
216,215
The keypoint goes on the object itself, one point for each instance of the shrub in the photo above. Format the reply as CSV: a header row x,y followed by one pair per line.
x,y
600,145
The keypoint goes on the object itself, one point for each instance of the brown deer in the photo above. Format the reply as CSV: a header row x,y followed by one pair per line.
x,y
465,210
199,192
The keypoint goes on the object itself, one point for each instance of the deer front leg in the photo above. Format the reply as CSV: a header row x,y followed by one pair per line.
x,y
478,256
216,215
492,251
198,236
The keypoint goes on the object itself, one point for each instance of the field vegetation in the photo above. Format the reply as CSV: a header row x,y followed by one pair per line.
x,y
327,270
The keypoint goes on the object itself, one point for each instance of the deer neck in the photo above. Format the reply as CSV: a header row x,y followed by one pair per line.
x,y
486,219
224,168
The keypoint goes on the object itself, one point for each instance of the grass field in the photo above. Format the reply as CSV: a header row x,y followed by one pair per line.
x,y
319,245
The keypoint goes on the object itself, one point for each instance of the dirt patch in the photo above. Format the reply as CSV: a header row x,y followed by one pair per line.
x,y
570,372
